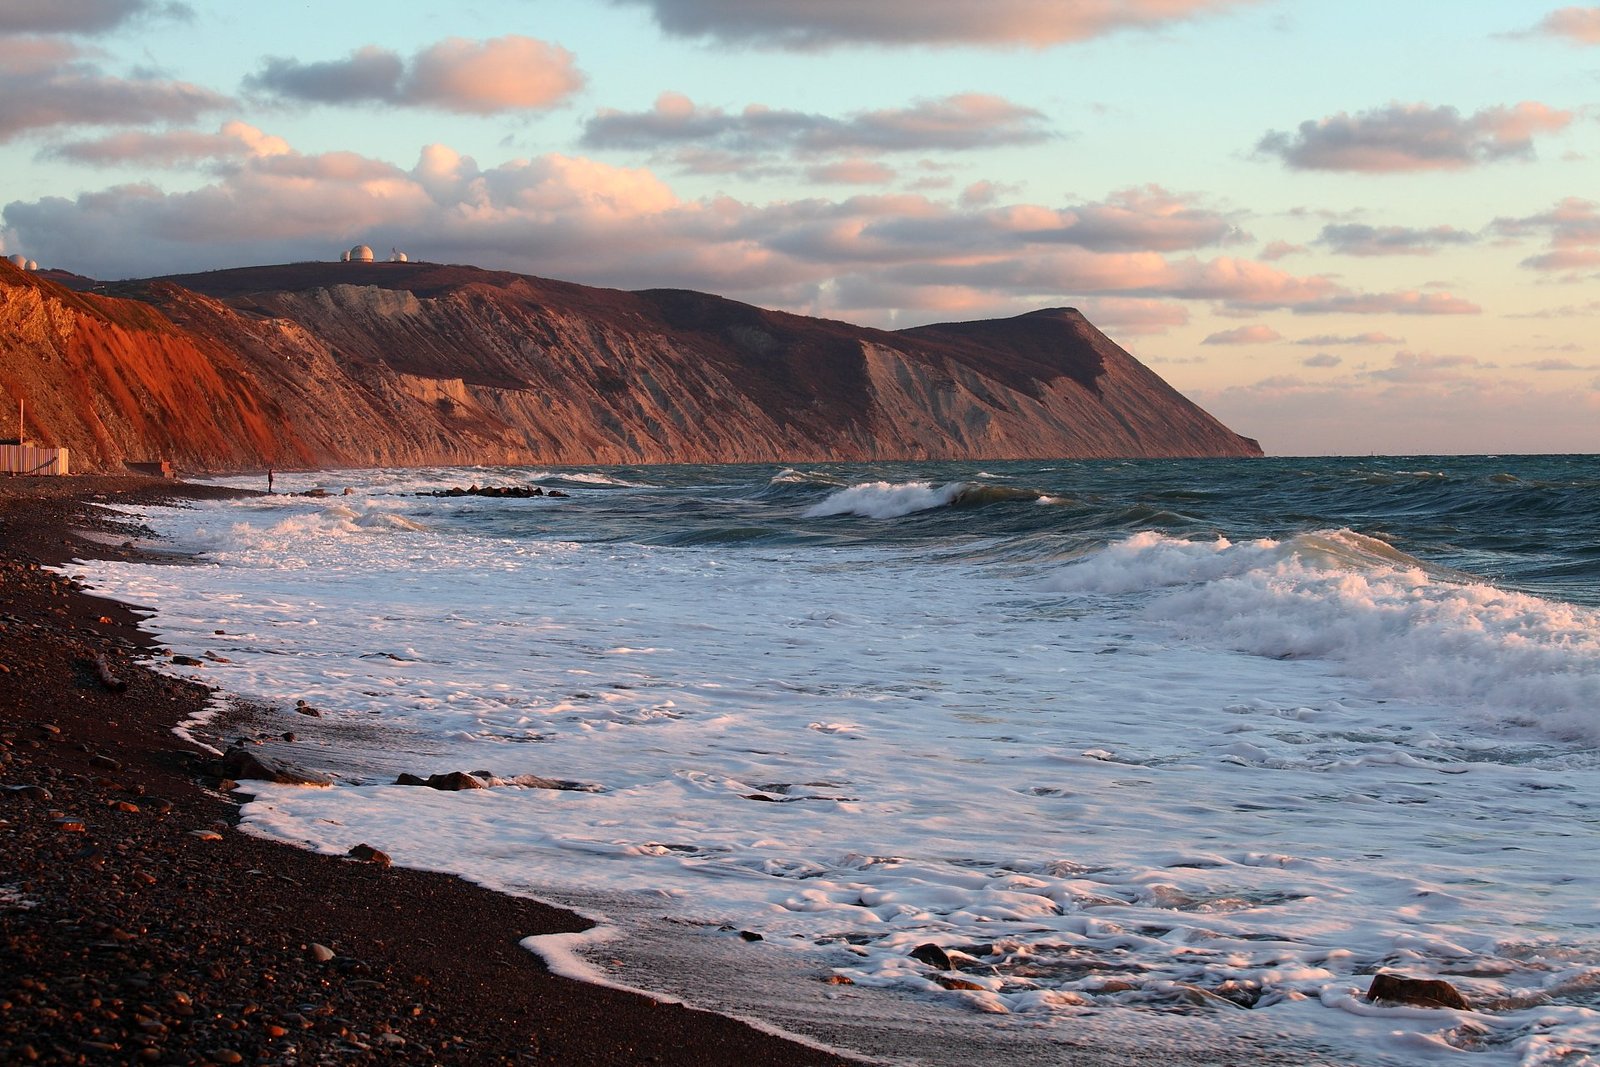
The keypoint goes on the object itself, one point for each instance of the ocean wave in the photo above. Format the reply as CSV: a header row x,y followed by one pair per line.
x,y
893,500
1412,631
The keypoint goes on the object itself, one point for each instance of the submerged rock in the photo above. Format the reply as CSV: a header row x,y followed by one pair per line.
x,y
933,956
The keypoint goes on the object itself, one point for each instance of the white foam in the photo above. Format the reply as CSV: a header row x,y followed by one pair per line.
x,y
1103,771
885,500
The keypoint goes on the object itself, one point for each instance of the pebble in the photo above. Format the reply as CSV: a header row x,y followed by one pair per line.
x,y
320,953
206,835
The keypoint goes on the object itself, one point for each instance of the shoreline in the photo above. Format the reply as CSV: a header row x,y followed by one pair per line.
x,y
138,925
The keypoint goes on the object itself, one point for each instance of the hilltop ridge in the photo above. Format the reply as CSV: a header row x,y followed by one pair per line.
x,y
356,364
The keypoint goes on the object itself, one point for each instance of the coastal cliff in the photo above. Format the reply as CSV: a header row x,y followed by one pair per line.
x,y
359,364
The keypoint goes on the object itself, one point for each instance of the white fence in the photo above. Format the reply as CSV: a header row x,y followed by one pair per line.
x,y
29,459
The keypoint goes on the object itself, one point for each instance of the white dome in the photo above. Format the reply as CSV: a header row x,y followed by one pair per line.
x,y
398,257
33,264
344,257
361,254
18,260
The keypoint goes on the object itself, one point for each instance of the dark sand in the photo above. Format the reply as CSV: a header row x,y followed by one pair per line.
x,y
128,935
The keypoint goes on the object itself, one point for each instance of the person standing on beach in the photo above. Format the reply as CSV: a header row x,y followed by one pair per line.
x,y
269,479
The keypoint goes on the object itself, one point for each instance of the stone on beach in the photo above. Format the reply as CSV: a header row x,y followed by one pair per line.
x,y
241,763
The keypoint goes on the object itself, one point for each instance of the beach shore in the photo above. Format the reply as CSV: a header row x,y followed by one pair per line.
x,y
137,925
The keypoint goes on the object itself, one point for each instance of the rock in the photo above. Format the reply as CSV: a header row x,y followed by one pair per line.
x,y
368,854
320,953
27,792
238,762
68,825
206,835
455,781
839,979
751,935
187,661
104,762
932,955
956,983
1389,988
406,778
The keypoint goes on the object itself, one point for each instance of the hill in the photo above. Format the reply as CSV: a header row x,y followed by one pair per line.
x,y
356,364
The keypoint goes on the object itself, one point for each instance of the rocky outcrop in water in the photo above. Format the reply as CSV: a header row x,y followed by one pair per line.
x,y
347,364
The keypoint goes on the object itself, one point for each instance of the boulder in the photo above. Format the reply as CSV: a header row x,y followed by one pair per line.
x,y
1423,992
241,763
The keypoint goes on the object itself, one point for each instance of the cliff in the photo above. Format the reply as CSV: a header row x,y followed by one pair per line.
x,y
355,364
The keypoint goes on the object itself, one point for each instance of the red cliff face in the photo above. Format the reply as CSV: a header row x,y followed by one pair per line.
x,y
346,364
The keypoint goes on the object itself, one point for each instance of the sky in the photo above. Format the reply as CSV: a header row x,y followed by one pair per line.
x,y
1343,228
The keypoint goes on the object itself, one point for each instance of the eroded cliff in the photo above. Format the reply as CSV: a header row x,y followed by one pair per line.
x,y
375,364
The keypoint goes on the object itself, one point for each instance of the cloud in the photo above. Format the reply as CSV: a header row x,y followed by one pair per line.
x,y
1578,25
1141,218
1572,228
172,148
1402,302
890,259
962,122
950,23
510,73
1412,367
1558,364
46,83
850,172
1373,338
1276,250
1244,335
1414,137
80,16
1356,239
1322,359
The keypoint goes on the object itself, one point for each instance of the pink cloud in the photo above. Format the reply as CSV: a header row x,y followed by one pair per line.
x,y
1573,229
954,23
173,148
1255,334
510,73
1321,359
893,258
482,77
851,172
1276,250
1413,137
1579,25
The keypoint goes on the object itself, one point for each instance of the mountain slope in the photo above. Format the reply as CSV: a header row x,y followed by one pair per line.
x,y
351,364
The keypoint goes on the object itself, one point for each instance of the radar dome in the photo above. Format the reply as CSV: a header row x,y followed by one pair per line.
x,y
18,260
33,264
361,254
398,257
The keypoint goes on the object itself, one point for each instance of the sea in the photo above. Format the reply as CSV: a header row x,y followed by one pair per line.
x,y
1043,762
